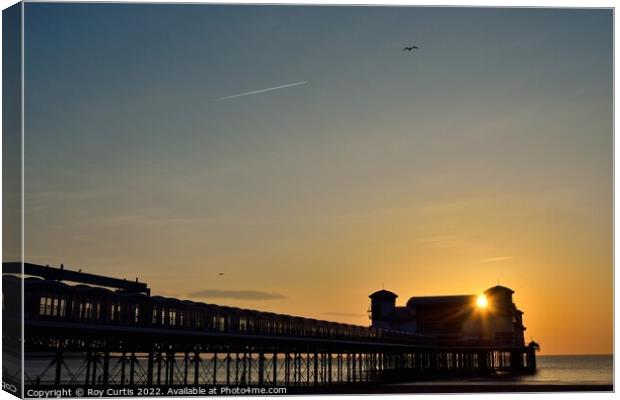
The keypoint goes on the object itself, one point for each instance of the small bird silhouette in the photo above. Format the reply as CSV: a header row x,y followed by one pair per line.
x,y
221,273
410,48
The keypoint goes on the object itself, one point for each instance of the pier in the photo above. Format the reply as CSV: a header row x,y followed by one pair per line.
x,y
87,335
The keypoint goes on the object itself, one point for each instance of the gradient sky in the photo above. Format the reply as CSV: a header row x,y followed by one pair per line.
x,y
484,156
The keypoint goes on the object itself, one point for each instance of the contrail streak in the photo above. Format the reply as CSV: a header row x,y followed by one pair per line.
x,y
262,90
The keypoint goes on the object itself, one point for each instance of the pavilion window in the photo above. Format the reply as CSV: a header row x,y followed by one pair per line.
x,y
172,317
213,323
89,310
155,316
85,309
115,312
52,306
135,313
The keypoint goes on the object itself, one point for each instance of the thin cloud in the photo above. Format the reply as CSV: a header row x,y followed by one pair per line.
x,y
253,92
494,259
237,294
343,314
443,241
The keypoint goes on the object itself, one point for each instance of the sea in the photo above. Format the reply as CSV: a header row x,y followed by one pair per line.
x,y
551,370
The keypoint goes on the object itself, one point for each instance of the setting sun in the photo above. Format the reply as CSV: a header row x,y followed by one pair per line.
x,y
481,301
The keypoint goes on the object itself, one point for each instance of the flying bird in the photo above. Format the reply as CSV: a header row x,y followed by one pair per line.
x,y
410,48
221,273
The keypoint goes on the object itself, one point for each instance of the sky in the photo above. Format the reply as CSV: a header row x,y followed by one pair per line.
x,y
300,152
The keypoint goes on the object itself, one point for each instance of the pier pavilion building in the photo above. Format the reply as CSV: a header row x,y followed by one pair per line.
x,y
491,318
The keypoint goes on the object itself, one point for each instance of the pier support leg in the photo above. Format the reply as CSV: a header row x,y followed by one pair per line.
x,y
123,367
89,360
215,368
59,361
261,369
316,368
330,359
196,368
132,367
228,360
185,367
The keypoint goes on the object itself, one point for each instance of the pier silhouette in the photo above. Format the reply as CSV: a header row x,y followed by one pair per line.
x,y
107,332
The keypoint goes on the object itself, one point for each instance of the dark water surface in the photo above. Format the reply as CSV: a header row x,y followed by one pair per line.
x,y
551,370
